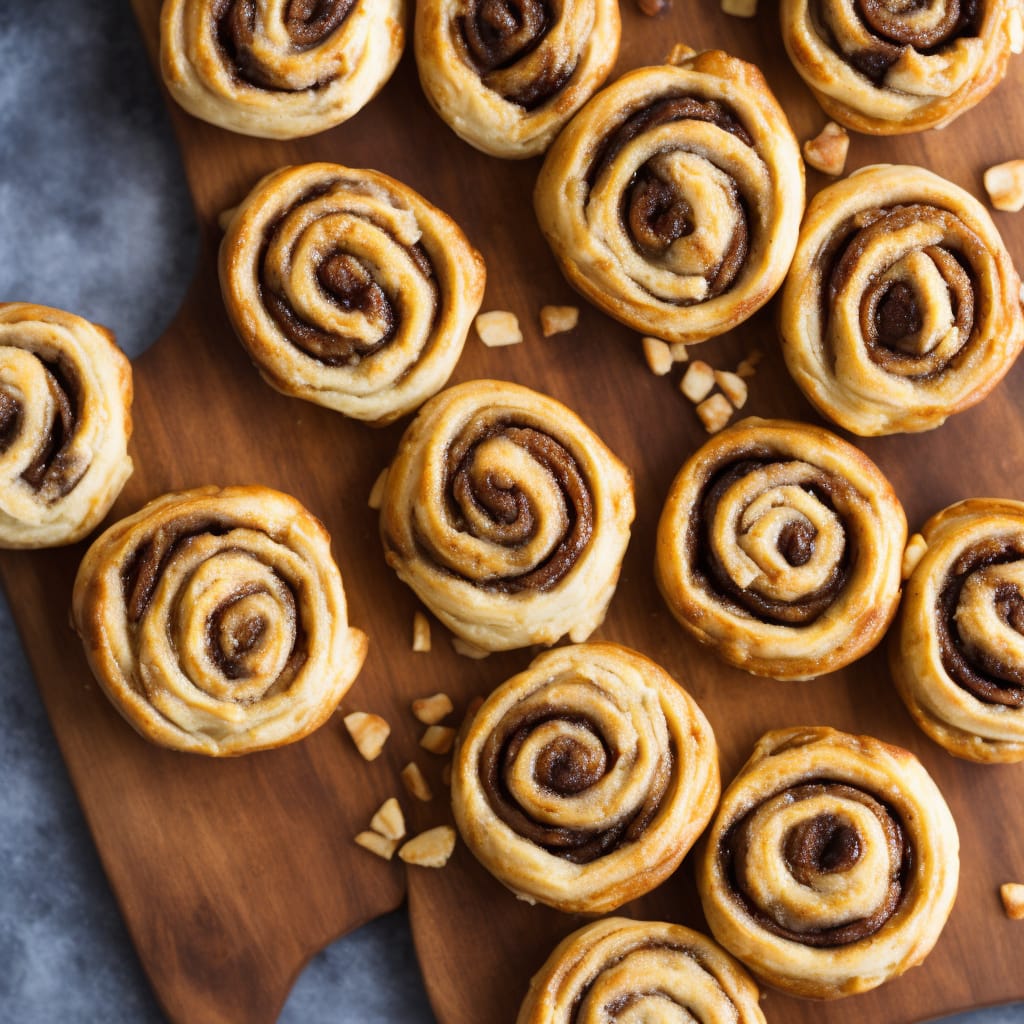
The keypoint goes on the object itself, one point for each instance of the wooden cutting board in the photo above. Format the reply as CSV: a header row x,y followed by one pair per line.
x,y
232,874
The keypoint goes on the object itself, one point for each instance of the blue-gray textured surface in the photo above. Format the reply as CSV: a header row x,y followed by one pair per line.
x,y
94,218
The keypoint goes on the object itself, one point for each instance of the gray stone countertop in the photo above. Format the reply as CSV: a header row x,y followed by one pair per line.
x,y
94,218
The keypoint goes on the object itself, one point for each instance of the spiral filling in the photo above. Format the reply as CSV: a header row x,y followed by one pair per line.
x,y
823,864
544,522
647,981
905,277
340,305
244,40
768,537
497,36
55,468
676,195
877,35
980,621
563,755
251,643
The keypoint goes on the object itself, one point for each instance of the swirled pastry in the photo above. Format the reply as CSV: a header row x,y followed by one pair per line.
x,y
832,863
957,653
902,305
583,781
506,77
625,970
65,421
279,69
673,199
348,289
507,516
781,545
215,620
888,66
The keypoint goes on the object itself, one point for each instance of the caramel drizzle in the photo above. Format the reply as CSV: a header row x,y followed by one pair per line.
x,y
497,34
982,673
566,767
654,214
346,282
508,508
55,469
796,544
823,845
309,23
890,313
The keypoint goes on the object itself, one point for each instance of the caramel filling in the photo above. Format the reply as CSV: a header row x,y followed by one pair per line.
x,y
895,327
886,28
507,511
796,541
347,282
308,23
55,469
819,845
498,34
565,767
986,672
654,213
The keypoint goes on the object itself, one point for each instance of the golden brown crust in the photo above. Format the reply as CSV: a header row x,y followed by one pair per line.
x,y
956,653
266,70
65,422
780,545
672,200
349,289
509,93
507,516
659,971
918,67
902,305
550,814
832,863
215,620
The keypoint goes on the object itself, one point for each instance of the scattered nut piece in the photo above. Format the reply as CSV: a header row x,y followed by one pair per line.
x,y
740,8
468,650
913,553
558,319
420,633
658,356
498,328
389,820
376,499
224,217
680,54
679,352
378,844
1004,184
748,366
416,783
652,8
430,849
438,739
1012,895
368,732
826,152
714,413
698,381
446,774
431,710
1015,30
733,386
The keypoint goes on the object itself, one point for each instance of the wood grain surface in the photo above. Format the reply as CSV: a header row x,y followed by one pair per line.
x,y
231,874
